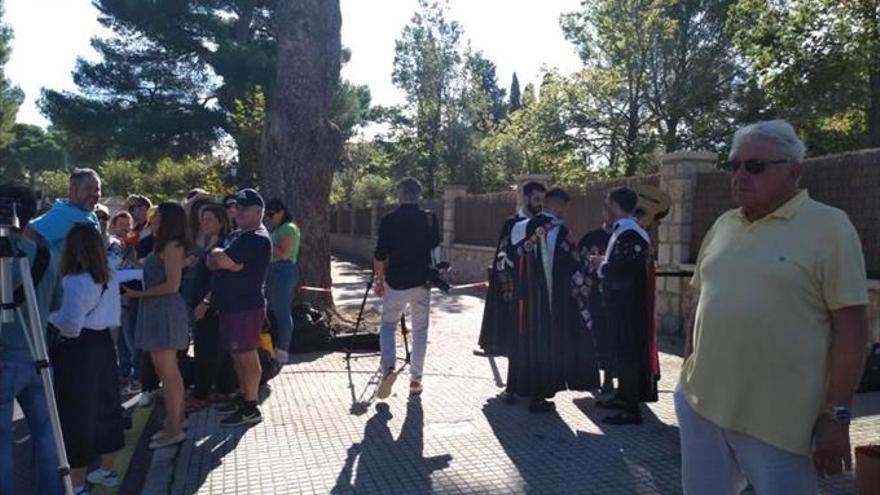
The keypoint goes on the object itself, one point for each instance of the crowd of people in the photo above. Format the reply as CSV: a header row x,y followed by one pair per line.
x,y
124,296
772,358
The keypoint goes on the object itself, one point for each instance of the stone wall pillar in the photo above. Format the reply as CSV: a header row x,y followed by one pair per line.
x,y
450,194
678,179
522,180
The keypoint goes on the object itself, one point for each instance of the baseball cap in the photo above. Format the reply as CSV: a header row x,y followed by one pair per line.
x,y
229,200
249,197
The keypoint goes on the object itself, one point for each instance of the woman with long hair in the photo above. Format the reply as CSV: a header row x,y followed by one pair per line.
x,y
84,359
283,273
214,366
163,319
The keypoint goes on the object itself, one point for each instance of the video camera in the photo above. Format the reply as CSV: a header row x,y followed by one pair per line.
x,y
435,276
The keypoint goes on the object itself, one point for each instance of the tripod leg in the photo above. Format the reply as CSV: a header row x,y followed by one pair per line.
x,y
37,345
405,332
360,319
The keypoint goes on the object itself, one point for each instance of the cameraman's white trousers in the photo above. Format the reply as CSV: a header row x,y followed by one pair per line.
x,y
394,303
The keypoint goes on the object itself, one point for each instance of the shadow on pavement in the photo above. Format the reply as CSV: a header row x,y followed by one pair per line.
x,y
212,447
545,450
380,452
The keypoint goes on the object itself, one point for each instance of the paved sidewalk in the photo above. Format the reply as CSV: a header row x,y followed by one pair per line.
x,y
322,433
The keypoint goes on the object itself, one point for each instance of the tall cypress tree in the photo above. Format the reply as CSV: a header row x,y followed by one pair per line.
x,y
515,95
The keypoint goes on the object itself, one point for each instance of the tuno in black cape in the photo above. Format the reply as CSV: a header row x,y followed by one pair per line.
x,y
628,288
498,315
552,350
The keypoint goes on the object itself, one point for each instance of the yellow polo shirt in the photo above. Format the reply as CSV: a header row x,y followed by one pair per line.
x,y
763,324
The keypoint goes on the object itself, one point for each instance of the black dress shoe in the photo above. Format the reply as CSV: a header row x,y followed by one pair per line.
x,y
623,418
541,406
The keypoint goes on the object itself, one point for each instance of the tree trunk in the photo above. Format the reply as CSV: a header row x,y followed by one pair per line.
x,y
301,146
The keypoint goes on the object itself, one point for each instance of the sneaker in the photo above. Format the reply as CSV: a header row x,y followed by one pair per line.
x,y
83,490
232,406
244,416
146,399
282,357
102,477
132,388
415,387
162,441
388,379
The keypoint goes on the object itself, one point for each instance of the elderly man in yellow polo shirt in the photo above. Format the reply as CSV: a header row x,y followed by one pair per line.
x,y
780,331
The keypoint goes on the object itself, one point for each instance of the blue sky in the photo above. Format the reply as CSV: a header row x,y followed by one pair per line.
x,y
518,35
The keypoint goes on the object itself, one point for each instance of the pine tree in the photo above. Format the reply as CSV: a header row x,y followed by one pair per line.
x,y
10,96
515,95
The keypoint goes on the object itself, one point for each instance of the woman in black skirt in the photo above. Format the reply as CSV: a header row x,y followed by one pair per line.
x,y
84,358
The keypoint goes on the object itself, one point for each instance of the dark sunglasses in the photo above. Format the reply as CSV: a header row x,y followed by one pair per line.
x,y
753,167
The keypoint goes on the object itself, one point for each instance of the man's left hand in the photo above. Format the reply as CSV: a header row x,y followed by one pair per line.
x,y
832,454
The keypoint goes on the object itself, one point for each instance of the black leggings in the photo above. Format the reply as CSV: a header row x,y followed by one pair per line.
x,y
87,392
213,364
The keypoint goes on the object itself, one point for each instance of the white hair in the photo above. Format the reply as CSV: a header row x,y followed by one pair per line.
x,y
781,132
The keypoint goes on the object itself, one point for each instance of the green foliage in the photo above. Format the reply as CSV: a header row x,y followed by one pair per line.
x,y
31,152
54,183
427,59
175,79
816,63
11,96
658,73
515,94
167,179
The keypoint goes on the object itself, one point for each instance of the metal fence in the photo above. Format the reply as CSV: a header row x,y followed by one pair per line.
x,y
478,218
363,221
586,210
849,181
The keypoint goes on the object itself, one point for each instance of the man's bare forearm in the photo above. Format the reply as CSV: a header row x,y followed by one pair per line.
x,y
379,270
846,359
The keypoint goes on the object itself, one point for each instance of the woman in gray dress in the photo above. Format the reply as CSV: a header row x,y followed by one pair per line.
x,y
162,322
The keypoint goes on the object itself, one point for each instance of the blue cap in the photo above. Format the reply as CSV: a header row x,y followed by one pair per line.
x,y
249,197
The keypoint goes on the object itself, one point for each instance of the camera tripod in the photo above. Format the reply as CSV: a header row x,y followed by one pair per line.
x,y
10,309
360,320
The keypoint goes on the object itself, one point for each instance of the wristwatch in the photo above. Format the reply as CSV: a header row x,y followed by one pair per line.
x,y
841,414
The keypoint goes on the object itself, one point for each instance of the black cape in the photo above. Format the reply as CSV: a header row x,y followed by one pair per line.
x,y
594,244
498,314
552,350
627,287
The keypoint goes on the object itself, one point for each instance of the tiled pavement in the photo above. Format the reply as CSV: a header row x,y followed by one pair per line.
x,y
322,433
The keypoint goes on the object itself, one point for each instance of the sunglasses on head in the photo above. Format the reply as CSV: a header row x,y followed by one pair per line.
x,y
753,167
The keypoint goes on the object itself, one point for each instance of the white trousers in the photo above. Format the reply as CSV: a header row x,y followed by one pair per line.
x,y
394,303
718,461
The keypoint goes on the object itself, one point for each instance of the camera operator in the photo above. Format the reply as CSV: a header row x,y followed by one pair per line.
x,y
18,377
403,259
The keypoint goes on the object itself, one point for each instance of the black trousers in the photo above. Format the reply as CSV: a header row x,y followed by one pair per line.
x,y
87,392
213,364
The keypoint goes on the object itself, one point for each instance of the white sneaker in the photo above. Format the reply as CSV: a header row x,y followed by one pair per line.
x,y
146,399
387,383
110,479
